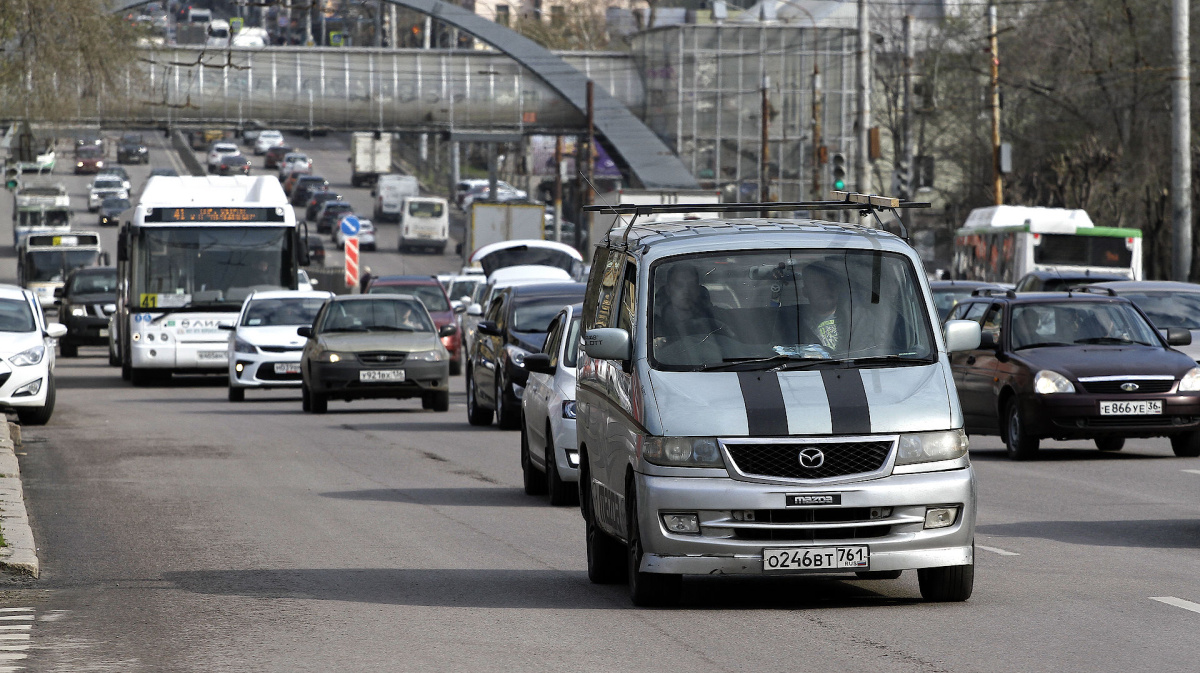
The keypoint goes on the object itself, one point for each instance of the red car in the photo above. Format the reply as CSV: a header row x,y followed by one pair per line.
x,y
89,159
431,293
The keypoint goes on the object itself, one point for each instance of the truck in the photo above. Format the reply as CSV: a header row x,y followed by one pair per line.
x,y
602,221
40,208
370,157
490,222
44,260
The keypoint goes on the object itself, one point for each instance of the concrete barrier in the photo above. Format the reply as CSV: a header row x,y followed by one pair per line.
x,y
186,154
18,556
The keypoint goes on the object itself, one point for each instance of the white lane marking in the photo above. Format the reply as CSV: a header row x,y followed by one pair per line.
x,y
13,648
11,669
14,636
13,656
16,609
13,618
15,627
1177,602
994,550
1191,471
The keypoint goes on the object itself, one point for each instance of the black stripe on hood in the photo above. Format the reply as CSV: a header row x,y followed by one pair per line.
x,y
766,414
848,408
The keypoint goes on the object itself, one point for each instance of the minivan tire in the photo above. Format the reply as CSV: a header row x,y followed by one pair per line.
x,y
605,561
534,481
946,584
476,415
1186,445
646,590
1021,445
1110,443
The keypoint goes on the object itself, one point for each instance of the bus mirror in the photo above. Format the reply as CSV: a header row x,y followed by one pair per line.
x,y
304,258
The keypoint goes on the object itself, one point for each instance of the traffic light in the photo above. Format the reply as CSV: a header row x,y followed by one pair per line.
x,y
12,179
839,171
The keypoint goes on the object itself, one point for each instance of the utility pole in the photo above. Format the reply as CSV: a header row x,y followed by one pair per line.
x,y
379,24
765,154
558,176
863,121
907,169
589,166
1181,144
817,142
994,50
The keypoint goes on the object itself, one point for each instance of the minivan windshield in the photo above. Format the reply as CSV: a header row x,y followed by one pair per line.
x,y
1072,323
786,309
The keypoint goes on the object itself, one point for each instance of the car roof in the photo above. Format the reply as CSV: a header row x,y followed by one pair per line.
x,y
289,294
547,289
1052,297
723,234
1047,274
404,280
964,284
1159,285
11,292
376,297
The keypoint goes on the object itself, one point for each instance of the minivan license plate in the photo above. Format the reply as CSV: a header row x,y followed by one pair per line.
x,y
816,559
1134,408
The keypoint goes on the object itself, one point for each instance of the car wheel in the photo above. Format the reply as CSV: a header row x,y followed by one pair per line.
x,y
68,350
455,367
1110,443
604,553
561,493
237,394
645,589
319,402
126,370
305,399
441,401
40,415
1021,445
476,415
1186,445
947,584
508,415
113,361
534,481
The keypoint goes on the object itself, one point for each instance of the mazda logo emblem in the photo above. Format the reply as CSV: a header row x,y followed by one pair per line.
x,y
811,458
1129,387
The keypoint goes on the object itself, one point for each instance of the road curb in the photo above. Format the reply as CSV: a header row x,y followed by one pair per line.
x,y
19,556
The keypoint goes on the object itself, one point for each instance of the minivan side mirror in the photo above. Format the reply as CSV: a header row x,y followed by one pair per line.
x,y
305,331
961,335
608,343
1177,336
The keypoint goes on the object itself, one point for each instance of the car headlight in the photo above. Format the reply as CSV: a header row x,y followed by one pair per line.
x,y
240,345
78,311
1190,382
1047,382
568,409
330,356
426,356
516,355
99,164
30,357
927,447
682,451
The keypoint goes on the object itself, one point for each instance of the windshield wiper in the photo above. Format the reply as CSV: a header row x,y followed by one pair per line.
x,y
344,329
887,360
1108,340
753,364
390,328
1043,344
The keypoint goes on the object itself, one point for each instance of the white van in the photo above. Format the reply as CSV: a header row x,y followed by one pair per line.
x,y
218,34
424,223
390,192
770,397
199,15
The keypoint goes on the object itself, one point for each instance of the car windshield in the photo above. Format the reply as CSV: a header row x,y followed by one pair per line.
x,y
54,265
785,309
571,352
364,315
282,311
425,208
15,316
463,288
1073,323
107,184
1169,309
430,295
946,299
534,315
94,283
88,152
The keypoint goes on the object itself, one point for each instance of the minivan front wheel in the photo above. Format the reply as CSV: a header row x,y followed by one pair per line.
x,y
947,584
646,589
1021,445
604,562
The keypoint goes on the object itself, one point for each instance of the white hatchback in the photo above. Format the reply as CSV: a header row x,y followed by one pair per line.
x,y
366,235
26,356
218,152
549,453
266,140
264,349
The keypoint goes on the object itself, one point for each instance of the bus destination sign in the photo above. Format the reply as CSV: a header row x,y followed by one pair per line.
x,y
215,214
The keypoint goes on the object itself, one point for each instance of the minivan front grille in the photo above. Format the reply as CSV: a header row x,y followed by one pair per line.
x,y
837,459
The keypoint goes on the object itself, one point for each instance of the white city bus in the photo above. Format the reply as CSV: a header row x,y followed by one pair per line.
x,y
1001,244
195,248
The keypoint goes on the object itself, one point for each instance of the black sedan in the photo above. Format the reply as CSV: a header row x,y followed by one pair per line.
x,y
1077,365
85,302
111,209
372,347
233,164
132,150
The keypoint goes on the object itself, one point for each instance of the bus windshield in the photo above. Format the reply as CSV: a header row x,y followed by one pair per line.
x,y
44,218
211,266
53,265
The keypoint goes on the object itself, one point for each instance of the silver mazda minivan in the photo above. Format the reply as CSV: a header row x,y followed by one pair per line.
x,y
770,397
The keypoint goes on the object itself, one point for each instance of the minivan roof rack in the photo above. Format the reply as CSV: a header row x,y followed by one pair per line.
x,y
993,291
864,203
1092,289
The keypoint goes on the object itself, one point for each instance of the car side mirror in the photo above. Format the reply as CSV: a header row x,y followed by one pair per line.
x,y
607,343
962,335
227,328
987,340
447,330
305,331
489,328
475,310
539,363
58,292
1177,336
56,330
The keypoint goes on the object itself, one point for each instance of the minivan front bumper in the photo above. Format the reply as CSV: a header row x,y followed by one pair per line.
x,y
887,515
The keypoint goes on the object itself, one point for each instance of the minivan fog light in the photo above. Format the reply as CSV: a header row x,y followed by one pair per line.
x,y
682,523
1047,382
573,457
940,517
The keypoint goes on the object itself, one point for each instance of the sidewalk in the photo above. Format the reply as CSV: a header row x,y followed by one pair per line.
x,y
19,555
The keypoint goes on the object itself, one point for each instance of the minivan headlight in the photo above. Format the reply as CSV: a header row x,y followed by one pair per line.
x,y
682,451
927,447
1190,382
30,357
1047,382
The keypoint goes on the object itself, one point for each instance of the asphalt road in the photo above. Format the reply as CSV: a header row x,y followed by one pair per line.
x,y
180,532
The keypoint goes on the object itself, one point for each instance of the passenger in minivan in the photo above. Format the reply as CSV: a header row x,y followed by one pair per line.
x,y
685,318
825,317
